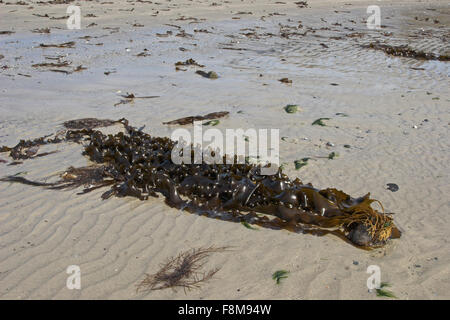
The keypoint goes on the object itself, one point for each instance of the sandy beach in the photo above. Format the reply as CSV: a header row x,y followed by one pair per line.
x,y
388,123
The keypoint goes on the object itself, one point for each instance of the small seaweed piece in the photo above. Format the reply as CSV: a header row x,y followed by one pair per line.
x,y
385,293
333,155
248,226
285,80
279,274
181,271
212,123
301,163
210,75
291,108
393,187
319,122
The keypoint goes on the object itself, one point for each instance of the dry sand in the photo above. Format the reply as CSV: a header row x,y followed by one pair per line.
x,y
397,126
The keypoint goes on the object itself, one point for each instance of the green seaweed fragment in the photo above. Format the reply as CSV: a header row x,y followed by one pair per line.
x,y
385,293
319,122
291,108
301,163
279,274
248,226
333,155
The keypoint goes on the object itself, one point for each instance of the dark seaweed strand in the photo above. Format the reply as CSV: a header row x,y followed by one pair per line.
x,y
136,164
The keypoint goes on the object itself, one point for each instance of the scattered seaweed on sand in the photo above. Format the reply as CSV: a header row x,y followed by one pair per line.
x,y
133,163
182,271
279,275
6,32
405,51
191,119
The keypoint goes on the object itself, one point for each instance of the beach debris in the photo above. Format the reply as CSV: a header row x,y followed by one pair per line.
x,y
347,146
392,187
182,271
285,80
136,164
385,293
333,155
301,163
6,32
405,51
291,108
319,122
70,44
210,75
191,119
3,161
279,275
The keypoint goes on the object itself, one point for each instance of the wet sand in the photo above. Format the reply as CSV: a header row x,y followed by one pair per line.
x,y
392,112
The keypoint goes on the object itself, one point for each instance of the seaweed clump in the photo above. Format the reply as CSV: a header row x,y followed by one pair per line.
x,y
181,271
133,163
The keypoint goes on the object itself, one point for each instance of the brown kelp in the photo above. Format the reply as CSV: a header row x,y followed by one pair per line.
x,y
133,163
